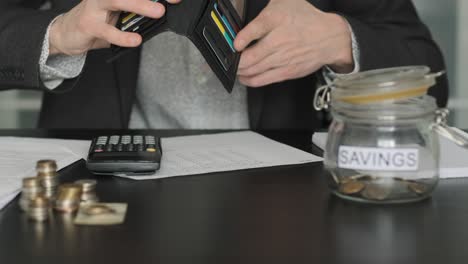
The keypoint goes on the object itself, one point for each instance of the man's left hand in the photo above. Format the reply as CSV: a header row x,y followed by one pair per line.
x,y
294,39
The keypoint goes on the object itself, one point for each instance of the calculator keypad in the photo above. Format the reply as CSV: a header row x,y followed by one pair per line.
x,y
125,143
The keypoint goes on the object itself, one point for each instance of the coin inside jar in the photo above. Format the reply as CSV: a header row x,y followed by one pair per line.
x,y
352,187
98,209
417,188
375,192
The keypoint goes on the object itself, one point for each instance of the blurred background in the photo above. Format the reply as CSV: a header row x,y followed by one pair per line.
x,y
19,109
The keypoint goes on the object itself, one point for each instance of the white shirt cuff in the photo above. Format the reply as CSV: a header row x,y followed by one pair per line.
x,y
330,74
54,69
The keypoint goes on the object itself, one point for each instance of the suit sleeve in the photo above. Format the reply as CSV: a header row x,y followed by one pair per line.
x,y
22,32
390,34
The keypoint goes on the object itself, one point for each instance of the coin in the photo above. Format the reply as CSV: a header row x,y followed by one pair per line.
x,y
375,192
30,190
47,174
39,202
46,166
39,208
87,185
31,182
98,209
69,191
89,198
67,206
417,188
352,187
68,198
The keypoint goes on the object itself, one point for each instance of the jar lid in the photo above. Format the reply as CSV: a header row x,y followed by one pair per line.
x,y
384,85
404,110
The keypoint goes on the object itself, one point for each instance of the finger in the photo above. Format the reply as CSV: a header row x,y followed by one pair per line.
x,y
117,37
269,77
141,7
257,53
256,30
173,1
271,62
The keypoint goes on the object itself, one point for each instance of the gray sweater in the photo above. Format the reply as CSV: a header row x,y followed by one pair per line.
x,y
176,88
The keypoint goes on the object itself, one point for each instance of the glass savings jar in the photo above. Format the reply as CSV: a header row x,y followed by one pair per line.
x,y
382,145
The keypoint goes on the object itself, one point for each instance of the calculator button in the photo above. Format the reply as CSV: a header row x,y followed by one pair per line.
x,y
151,150
137,139
101,140
114,140
139,147
108,148
119,147
126,139
129,147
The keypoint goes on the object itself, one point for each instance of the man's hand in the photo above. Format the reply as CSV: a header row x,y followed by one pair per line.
x,y
91,25
295,39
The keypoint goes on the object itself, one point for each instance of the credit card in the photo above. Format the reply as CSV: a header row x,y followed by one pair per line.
x,y
128,17
130,20
222,58
225,11
223,31
132,23
225,21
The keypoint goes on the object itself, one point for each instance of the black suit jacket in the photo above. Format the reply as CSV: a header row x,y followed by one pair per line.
x,y
389,34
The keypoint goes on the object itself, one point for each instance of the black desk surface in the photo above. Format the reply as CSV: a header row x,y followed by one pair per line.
x,y
273,215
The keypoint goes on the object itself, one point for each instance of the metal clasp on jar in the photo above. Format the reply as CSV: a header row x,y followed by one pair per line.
x,y
453,134
322,98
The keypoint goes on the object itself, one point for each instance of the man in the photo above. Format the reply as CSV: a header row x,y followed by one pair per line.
x,y
287,46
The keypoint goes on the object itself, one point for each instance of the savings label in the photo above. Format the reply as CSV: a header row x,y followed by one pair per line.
x,y
378,159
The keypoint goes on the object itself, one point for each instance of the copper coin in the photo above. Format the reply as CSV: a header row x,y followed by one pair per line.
x,y
417,188
352,187
375,192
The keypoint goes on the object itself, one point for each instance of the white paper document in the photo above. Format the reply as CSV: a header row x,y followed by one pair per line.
x,y
453,159
18,157
182,156
191,155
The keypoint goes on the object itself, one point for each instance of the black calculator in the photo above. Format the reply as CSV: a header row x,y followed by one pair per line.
x,y
130,155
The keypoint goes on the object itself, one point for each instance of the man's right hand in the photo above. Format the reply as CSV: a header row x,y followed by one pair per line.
x,y
91,25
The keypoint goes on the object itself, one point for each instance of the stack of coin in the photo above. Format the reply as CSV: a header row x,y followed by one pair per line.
x,y
89,191
39,208
47,173
68,198
31,189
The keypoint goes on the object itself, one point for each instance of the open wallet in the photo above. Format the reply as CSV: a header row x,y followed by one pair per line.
x,y
212,25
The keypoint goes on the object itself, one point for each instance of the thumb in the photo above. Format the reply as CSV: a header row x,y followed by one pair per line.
x,y
255,30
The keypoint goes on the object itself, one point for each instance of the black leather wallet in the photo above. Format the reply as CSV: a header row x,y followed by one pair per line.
x,y
211,25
